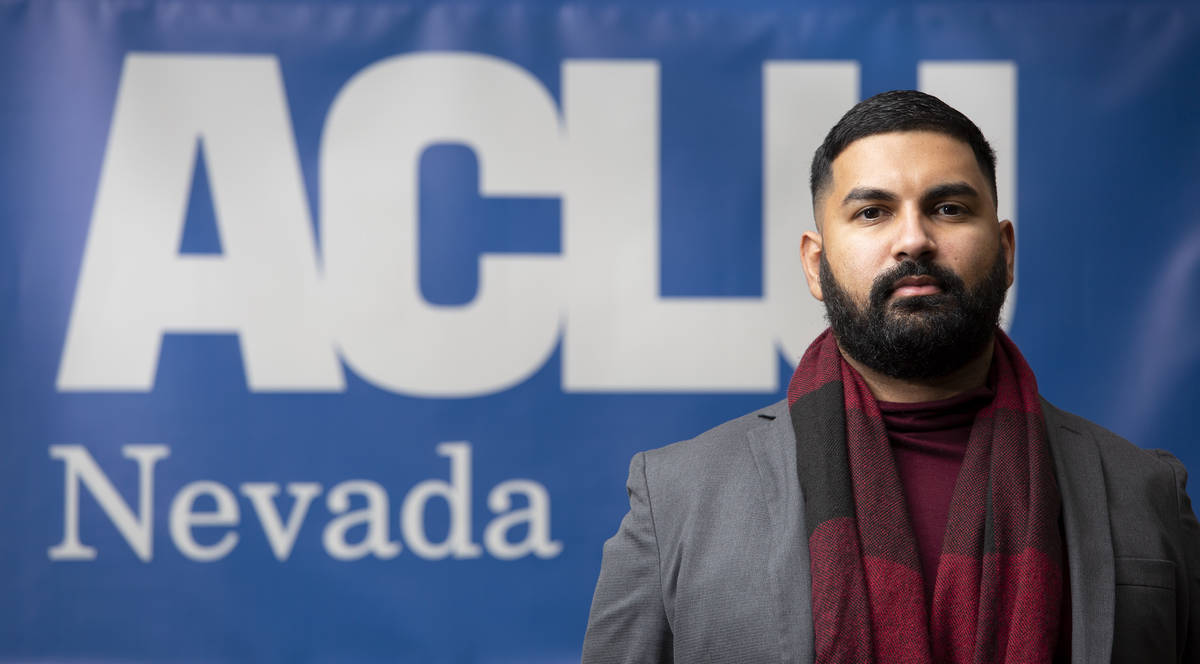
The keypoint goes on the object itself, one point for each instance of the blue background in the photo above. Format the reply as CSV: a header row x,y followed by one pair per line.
x,y
1109,236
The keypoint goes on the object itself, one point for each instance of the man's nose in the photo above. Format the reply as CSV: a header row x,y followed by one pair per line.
x,y
913,236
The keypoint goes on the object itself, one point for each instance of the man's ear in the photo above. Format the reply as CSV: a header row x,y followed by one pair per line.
x,y
811,247
1008,243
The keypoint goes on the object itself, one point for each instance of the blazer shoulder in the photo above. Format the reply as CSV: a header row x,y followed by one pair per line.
x,y
719,454
1116,451
716,443
1107,440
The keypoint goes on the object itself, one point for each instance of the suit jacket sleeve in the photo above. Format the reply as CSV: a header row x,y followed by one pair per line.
x,y
1191,549
628,622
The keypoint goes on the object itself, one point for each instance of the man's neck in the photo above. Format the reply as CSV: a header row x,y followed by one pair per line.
x,y
887,388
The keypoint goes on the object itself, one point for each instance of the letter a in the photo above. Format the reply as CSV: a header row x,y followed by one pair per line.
x,y
134,286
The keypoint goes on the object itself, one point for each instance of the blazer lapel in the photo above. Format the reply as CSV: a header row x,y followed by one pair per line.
x,y
773,447
1089,538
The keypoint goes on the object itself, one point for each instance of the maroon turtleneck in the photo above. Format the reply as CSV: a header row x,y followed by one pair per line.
x,y
929,441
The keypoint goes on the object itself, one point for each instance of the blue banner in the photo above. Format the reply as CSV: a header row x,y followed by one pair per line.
x,y
329,328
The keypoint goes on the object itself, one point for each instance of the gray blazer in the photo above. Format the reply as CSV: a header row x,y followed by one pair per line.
x,y
711,563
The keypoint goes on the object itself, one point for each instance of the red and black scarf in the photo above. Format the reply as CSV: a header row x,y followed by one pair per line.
x,y
998,591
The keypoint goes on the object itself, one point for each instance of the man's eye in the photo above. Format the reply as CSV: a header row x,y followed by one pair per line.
x,y
951,209
871,213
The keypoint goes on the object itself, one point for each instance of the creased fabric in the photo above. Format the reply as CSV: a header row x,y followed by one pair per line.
x,y
998,592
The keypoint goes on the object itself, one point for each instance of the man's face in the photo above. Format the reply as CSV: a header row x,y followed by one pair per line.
x,y
911,260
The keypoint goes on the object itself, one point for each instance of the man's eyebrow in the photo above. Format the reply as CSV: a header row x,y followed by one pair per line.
x,y
950,190
868,194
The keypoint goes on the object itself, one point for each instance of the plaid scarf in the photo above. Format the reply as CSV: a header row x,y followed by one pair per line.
x,y
998,591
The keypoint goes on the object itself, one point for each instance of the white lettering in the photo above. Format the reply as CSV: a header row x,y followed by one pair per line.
x,y
536,515
134,286
374,516
600,155
377,128
80,466
281,537
621,334
183,519
457,494
281,534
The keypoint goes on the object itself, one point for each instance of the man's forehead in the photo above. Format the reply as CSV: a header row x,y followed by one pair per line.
x,y
905,158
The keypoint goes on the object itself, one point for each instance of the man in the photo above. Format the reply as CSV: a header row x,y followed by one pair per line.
x,y
913,499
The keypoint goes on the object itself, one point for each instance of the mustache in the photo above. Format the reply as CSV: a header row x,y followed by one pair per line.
x,y
885,284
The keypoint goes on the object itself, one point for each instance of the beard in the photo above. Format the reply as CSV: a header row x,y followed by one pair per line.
x,y
921,336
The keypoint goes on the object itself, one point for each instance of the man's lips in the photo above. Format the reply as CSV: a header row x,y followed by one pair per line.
x,y
911,286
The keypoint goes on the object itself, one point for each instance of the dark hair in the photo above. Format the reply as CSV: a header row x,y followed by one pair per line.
x,y
899,110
